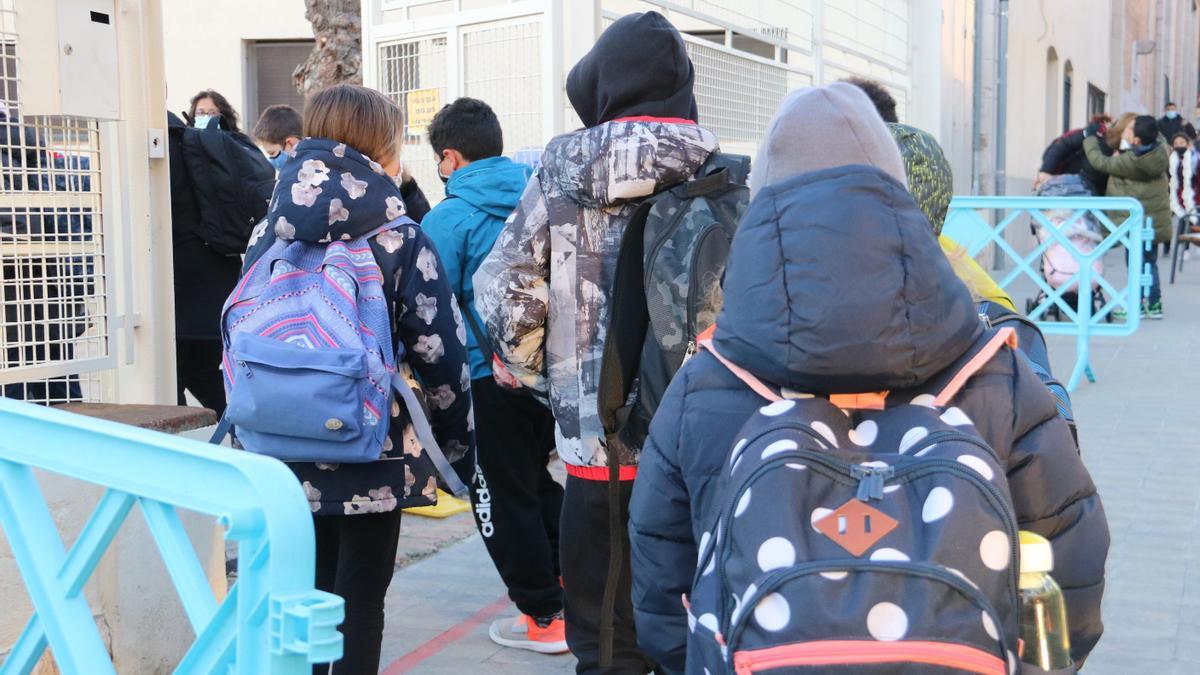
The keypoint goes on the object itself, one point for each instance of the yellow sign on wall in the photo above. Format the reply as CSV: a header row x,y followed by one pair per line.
x,y
423,104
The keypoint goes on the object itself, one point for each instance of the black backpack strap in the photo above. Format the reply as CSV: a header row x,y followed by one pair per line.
x,y
629,319
480,335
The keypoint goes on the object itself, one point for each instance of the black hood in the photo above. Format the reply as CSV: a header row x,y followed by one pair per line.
x,y
638,67
835,284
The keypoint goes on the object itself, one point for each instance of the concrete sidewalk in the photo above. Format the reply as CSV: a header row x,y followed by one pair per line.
x,y
1138,431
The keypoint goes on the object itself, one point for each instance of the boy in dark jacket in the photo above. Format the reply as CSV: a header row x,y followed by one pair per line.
x,y
835,285
544,295
516,501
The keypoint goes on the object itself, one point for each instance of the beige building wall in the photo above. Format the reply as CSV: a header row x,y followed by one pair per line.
x,y
208,45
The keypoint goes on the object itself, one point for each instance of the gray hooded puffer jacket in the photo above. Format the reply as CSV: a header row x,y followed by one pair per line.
x,y
543,292
835,284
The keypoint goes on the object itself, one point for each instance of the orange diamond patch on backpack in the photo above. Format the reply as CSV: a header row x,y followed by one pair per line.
x,y
855,526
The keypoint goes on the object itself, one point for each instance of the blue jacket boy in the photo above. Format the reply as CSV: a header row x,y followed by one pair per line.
x,y
464,226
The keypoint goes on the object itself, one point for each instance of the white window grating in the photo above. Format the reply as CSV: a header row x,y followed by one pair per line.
x,y
736,95
406,67
502,65
53,265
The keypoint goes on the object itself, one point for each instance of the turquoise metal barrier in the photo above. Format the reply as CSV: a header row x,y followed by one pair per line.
x,y
272,620
967,225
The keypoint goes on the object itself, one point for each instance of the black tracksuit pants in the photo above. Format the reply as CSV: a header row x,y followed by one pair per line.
x,y
516,501
585,556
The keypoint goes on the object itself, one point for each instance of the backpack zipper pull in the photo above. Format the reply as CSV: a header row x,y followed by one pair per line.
x,y
691,350
871,480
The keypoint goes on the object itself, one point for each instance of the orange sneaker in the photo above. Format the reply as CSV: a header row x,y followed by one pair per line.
x,y
524,633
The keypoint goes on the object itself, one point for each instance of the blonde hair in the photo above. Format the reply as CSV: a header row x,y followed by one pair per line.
x,y
362,118
1113,135
710,303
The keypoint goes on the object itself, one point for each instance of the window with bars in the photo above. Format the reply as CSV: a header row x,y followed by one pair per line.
x,y
502,66
53,278
416,68
736,95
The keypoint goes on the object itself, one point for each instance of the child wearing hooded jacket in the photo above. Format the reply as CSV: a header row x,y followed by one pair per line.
x,y
836,285
339,185
543,293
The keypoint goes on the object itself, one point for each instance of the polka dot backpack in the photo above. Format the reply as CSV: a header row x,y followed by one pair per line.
x,y
859,534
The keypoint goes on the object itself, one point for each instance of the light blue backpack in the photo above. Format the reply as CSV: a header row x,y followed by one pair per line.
x,y
309,369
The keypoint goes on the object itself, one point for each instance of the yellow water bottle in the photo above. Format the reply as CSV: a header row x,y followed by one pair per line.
x,y
1047,643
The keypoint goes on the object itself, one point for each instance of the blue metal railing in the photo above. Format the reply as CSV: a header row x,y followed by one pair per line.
x,y
969,227
271,621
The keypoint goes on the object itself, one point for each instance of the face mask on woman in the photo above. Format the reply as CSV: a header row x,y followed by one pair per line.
x,y
202,121
1126,145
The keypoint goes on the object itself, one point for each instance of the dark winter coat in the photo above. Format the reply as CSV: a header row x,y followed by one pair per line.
x,y
1169,127
203,277
1065,155
1140,173
835,284
329,191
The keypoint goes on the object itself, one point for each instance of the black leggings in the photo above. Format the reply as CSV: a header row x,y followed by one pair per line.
x,y
356,558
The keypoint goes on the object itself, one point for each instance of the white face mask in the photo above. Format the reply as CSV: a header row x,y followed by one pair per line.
x,y
202,121
1125,145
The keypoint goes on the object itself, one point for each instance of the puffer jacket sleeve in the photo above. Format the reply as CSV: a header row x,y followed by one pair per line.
x,y
1123,165
1055,497
1060,150
435,340
662,548
512,289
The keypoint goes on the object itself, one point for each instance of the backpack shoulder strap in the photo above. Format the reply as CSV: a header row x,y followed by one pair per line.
x,y
972,363
705,341
425,436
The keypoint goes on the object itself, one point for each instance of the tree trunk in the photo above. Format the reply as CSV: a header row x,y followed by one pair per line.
x,y
337,56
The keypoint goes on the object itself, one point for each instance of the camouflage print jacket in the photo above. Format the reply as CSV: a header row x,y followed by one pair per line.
x,y
543,291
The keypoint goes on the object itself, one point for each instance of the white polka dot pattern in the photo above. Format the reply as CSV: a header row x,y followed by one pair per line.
x,y
994,550
865,433
911,438
785,445
887,622
937,504
776,552
777,408
826,432
773,612
743,503
981,467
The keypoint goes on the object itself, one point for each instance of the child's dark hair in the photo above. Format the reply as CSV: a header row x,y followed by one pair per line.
x,y
879,95
469,126
277,124
1145,128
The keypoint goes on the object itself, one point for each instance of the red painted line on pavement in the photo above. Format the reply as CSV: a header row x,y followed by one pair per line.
x,y
446,638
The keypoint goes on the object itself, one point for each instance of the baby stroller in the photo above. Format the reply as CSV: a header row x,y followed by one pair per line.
x,y
1058,265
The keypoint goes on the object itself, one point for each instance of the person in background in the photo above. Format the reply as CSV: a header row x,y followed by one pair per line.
x,y
1172,123
931,182
277,132
833,260
347,166
1139,170
1185,198
516,501
209,107
1065,155
204,276
543,293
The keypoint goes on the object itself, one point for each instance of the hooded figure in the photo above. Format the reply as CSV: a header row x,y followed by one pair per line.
x,y
329,192
543,292
835,284
931,183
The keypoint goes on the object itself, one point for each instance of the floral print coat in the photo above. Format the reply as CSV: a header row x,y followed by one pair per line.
x,y
329,191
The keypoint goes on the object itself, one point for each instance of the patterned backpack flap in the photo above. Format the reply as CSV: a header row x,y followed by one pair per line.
x,y
874,537
308,357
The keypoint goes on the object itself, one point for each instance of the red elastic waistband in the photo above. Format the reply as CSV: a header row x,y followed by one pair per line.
x,y
600,472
